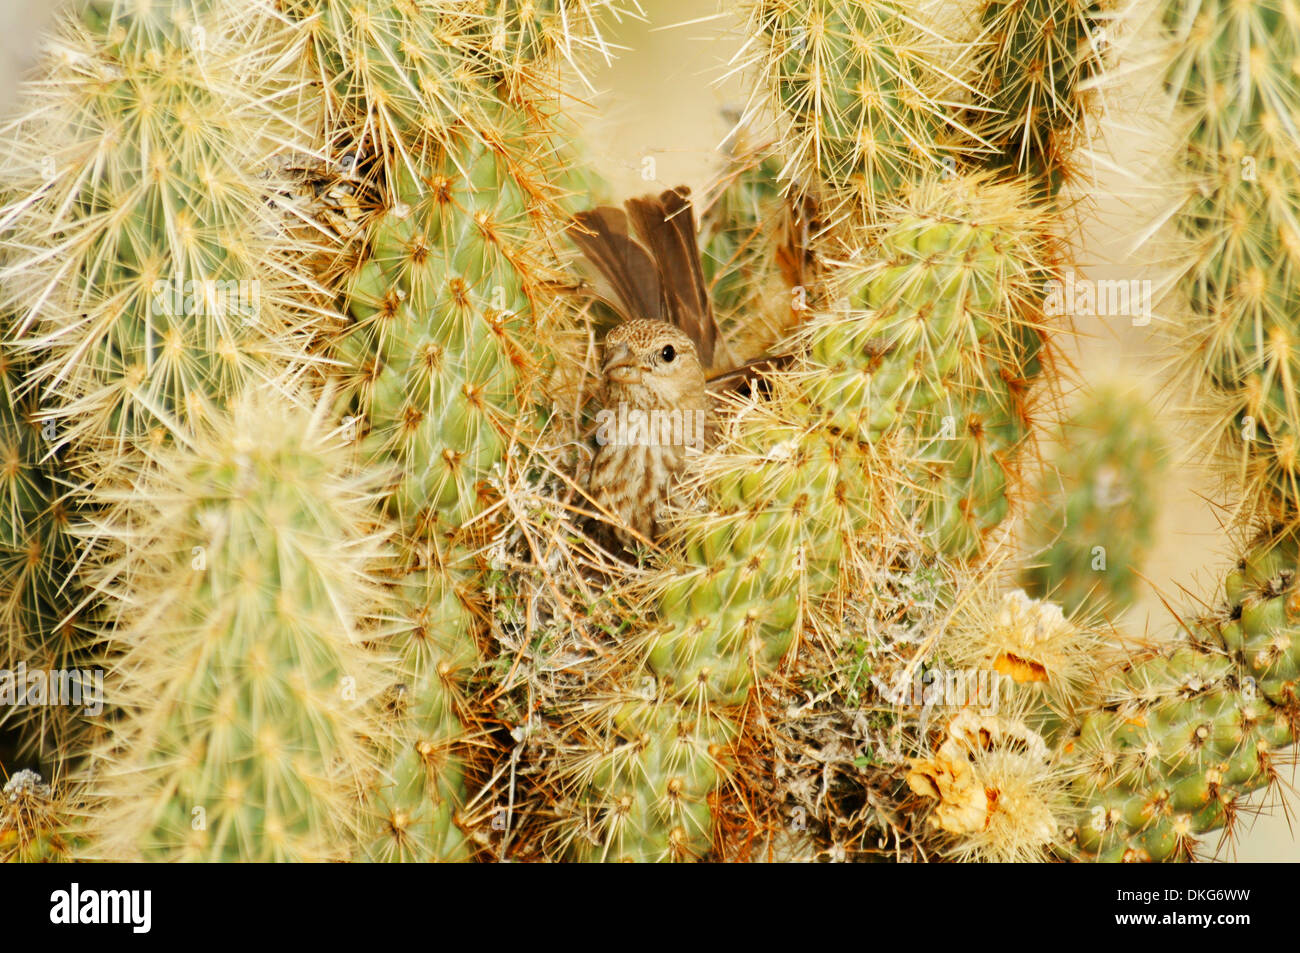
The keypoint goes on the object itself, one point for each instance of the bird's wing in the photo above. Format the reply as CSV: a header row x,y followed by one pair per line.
x,y
666,225
601,235
743,379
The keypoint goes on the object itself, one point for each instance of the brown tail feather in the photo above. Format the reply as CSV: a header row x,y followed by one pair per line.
x,y
601,235
654,271
666,224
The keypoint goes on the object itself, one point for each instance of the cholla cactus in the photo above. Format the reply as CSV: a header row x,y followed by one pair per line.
x,y
359,615
36,825
1094,517
442,371
444,107
754,248
1180,736
394,67
145,281
788,504
1236,100
242,600
137,236
868,93
958,335
42,616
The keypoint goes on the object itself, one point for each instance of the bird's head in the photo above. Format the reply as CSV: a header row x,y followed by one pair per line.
x,y
651,364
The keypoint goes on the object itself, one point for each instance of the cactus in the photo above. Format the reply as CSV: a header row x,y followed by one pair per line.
x,y
952,278
864,87
36,825
392,76
34,555
138,239
758,283
356,616
1238,218
42,613
790,505
443,106
957,336
521,41
1096,509
1182,734
441,305
649,768
1033,59
242,603
443,346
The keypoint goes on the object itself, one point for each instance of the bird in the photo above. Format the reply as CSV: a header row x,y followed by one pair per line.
x,y
655,398
666,367
656,404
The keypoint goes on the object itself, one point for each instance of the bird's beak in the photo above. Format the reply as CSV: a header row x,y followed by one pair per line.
x,y
620,365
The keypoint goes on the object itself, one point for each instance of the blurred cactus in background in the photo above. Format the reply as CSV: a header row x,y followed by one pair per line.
x,y
1094,519
866,91
299,387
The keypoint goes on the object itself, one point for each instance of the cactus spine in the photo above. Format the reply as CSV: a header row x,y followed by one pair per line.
x,y
446,331
1180,736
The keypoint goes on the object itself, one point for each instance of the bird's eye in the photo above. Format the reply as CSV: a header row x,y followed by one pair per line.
x,y
668,353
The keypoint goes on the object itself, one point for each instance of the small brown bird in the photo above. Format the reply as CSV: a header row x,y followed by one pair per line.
x,y
665,365
656,402
656,405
